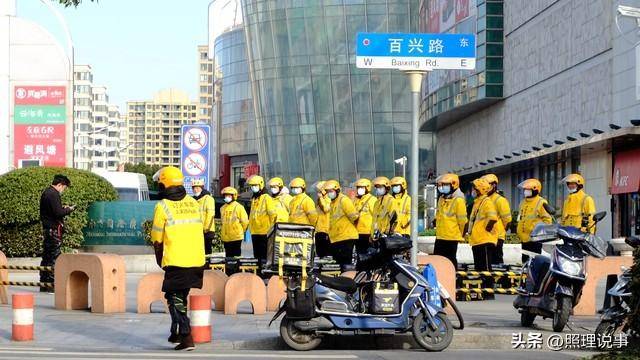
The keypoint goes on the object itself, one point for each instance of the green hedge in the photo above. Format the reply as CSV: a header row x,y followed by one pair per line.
x,y
20,190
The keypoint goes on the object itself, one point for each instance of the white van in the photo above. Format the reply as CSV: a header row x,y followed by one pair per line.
x,y
130,186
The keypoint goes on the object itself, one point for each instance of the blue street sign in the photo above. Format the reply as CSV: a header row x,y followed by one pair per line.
x,y
416,51
194,155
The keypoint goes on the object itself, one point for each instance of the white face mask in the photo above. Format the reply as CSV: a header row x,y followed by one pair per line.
x,y
444,189
228,199
572,190
332,195
255,188
396,189
275,190
380,191
361,191
296,191
528,193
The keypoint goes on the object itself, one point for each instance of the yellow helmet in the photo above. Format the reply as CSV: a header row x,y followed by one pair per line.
x,y
482,186
452,179
574,178
531,184
229,191
197,182
331,185
298,182
320,187
365,183
490,178
276,181
399,180
381,181
256,180
170,176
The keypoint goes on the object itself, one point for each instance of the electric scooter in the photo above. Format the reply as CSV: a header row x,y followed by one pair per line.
x,y
553,285
614,318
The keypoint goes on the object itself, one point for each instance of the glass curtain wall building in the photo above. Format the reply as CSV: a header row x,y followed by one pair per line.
x,y
317,115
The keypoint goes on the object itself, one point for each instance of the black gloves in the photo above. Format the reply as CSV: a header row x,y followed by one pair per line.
x,y
490,225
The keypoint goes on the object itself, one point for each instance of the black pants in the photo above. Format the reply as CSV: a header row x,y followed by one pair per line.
x,y
363,243
322,245
482,255
531,246
50,251
177,303
342,251
209,237
498,257
233,248
448,249
259,243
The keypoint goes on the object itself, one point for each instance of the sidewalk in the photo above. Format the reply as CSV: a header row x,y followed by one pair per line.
x,y
489,325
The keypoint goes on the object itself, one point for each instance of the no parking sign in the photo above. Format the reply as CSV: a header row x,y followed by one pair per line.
x,y
194,159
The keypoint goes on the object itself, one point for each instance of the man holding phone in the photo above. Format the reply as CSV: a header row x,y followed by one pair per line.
x,y
52,215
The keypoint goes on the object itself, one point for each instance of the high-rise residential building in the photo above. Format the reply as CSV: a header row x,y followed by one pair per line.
x,y
153,127
97,124
205,85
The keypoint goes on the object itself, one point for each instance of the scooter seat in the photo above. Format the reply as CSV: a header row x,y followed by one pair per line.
x,y
339,283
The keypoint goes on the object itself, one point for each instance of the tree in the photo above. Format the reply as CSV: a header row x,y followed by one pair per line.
x,y
68,3
147,170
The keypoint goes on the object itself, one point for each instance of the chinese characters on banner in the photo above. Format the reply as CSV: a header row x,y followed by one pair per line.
x,y
39,130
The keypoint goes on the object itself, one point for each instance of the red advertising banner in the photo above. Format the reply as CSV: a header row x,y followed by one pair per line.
x,y
39,95
40,142
462,10
251,169
433,22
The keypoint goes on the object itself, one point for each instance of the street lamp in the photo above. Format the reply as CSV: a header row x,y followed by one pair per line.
x,y
402,161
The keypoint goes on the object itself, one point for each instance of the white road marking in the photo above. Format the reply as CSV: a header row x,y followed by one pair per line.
x,y
170,354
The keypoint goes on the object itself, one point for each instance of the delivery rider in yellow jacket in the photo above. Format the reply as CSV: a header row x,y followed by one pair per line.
x,y
483,234
402,205
283,199
365,204
262,217
342,230
323,206
532,213
302,209
504,214
208,208
178,241
234,222
451,217
384,206
579,207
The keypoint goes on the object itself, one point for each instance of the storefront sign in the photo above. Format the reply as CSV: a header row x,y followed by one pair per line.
x,y
626,172
251,169
39,142
40,95
39,114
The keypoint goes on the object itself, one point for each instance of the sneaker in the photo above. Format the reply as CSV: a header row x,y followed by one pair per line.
x,y
186,343
174,339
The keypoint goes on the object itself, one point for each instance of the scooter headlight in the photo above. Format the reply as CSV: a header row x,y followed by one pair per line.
x,y
570,267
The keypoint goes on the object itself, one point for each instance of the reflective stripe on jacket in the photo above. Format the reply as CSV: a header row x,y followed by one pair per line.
x,y
234,221
504,214
484,210
208,208
531,213
302,210
365,207
262,215
451,217
576,206
343,217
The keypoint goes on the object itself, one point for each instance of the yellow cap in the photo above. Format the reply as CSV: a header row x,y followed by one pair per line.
x,y
298,182
490,178
482,186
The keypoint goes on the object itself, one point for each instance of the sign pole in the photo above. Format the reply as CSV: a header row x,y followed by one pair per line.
x,y
415,83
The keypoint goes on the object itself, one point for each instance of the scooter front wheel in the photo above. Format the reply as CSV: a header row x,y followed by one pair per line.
x,y
527,317
429,339
296,339
607,328
561,316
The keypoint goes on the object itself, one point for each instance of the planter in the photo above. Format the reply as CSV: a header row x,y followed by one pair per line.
x,y
512,253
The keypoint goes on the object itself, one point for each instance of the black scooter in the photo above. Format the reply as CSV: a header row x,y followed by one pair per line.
x,y
553,286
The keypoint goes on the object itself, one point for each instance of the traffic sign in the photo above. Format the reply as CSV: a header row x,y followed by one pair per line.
x,y
195,155
415,51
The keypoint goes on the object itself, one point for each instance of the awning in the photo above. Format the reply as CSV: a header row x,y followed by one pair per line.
x,y
626,172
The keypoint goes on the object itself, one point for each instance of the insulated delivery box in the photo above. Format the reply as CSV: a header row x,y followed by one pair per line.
x,y
290,246
385,299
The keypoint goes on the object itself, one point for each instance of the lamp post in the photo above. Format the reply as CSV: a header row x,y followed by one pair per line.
x,y
402,161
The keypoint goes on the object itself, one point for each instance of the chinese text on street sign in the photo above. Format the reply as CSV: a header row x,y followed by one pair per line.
x,y
195,154
416,51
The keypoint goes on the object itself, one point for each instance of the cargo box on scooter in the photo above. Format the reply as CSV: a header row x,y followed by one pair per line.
x,y
290,246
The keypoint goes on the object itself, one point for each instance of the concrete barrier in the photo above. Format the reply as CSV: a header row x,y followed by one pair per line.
x,y
276,292
245,286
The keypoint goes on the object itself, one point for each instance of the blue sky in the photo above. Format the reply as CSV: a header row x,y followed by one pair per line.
x,y
135,47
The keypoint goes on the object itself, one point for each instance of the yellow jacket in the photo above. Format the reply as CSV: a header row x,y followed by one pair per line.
x,y
576,206
281,203
208,208
263,214
484,210
324,214
302,210
531,213
177,225
234,221
402,206
365,206
382,214
343,217
504,213
451,217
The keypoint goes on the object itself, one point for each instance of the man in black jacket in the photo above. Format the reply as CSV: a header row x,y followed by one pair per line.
x,y
52,215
